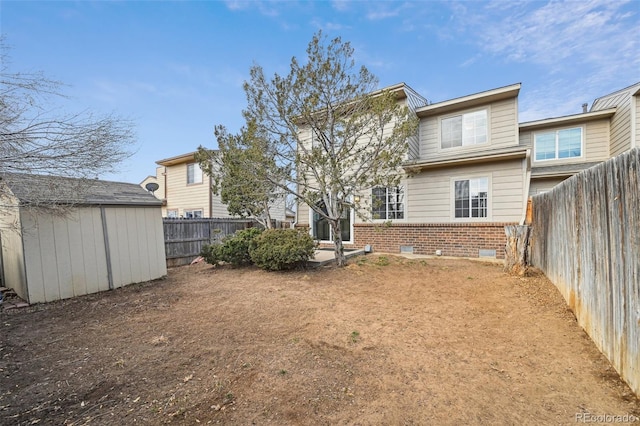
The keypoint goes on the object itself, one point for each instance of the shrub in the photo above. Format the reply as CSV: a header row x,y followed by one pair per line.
x,y
212,253
279,249
234,248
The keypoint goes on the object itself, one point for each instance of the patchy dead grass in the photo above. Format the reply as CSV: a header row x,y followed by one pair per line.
x,y
386,340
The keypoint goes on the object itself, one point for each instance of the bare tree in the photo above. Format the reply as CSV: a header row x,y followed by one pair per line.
x,y
341,134
36,138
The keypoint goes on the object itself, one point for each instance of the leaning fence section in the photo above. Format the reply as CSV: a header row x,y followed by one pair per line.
x,y
184,238
586,239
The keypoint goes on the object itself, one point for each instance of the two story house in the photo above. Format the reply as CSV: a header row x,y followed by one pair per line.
x,y
186,191
475,165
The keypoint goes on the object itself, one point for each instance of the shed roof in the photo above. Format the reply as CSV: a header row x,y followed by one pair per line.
x,y
47,189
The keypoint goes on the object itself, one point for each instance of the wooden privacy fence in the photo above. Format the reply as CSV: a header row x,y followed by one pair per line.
x,y
184,238
586,239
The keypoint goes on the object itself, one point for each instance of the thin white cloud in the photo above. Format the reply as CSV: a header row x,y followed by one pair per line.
x,y
328,26
378,11
583,46
341,5
264,8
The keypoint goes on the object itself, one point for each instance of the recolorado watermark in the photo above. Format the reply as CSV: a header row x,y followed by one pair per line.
x,y
606,418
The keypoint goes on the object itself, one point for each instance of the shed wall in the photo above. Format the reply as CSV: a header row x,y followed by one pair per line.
x,y
64,255
136,244
12,253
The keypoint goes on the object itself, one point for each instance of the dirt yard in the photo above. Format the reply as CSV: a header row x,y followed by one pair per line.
x,y
385,340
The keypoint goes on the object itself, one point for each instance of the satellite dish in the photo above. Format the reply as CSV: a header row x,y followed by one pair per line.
x,y
152,187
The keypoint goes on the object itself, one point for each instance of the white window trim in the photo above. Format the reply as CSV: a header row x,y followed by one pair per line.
x,y
194,210
176,211
351,220
201,175
556,130
464,147
452,198
403,184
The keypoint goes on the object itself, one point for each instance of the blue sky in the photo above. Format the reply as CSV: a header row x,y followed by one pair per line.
x,y
177,68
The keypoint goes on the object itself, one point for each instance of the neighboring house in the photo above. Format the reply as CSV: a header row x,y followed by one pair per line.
x,y
474,166
63,237
186,192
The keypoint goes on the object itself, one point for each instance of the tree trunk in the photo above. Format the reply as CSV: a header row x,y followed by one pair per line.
x,y
267,215
516,253
341,260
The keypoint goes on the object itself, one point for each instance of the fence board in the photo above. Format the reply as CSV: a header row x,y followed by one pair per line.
x,y
184,238
586,239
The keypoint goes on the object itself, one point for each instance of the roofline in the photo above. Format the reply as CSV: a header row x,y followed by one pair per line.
x,y
617,92
475,99
182,158
518,153
568,119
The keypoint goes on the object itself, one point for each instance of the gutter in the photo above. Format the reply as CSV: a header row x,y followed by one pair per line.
x,y
473,159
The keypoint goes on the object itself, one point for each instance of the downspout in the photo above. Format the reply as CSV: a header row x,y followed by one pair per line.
x,y
527,185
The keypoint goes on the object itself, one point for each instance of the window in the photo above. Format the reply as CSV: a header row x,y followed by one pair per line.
x,y
463,130
471,198
191,214
172,214
194,174
321,230
387,203
565,143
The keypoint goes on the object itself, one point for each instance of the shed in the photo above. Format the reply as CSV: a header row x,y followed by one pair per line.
x,y
65,237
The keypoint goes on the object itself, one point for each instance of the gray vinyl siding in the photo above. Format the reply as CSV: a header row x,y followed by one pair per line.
x,y
414,101
502,122
430,198
595,142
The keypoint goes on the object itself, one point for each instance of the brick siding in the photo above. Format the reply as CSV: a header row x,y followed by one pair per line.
x,y
454,239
